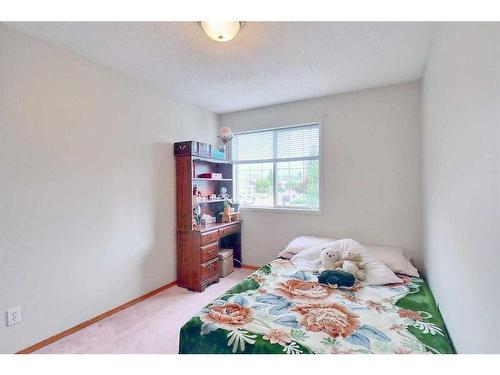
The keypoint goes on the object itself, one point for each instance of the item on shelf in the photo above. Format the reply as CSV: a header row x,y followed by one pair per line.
x,y
225,135
192,148
225,262
197,196
204,149
213,176
218,154
197,215
223,193
207,219
212,197
229,217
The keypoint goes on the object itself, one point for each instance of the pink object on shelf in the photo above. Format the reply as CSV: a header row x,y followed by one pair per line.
x,y
213,176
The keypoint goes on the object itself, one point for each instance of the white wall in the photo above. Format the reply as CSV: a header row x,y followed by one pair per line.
x,y
461,142
87,194
371,171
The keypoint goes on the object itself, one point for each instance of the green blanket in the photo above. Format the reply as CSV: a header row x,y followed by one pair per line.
x,y
279,309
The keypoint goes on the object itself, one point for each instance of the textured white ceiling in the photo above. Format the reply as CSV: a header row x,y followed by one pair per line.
x,y
267,63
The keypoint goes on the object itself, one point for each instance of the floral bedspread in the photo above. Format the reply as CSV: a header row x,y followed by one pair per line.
x,y
279,309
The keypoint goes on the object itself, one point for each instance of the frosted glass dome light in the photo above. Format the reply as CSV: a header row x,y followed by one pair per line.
x,y
221,31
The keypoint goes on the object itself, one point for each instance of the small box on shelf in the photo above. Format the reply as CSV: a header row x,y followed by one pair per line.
x,y
211,175
218,154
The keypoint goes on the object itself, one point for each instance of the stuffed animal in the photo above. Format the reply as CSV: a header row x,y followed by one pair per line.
x,y
337,279
352,263
330,259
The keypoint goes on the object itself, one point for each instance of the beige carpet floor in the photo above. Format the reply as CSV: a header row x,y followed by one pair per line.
x,y
151,326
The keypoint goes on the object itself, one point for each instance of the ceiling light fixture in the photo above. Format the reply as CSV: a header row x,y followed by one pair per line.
x,y
221,31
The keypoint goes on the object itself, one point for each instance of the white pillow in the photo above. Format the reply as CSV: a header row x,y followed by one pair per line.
x,y
376,272
302,243
394,258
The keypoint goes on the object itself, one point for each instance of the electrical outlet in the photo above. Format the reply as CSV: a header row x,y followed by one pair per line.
x,y
14,316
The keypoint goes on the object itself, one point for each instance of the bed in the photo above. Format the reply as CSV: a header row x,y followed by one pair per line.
x,y
279,309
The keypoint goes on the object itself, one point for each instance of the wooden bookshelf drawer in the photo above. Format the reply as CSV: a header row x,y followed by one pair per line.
x,y
209,269
229,229
209,237
209,252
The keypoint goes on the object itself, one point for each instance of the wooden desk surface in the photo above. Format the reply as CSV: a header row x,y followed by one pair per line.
x,y
210,227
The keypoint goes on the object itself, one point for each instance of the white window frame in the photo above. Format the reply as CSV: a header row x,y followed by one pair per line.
x,y
274,160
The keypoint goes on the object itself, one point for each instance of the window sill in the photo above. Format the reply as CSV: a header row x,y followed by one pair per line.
x,y
282,210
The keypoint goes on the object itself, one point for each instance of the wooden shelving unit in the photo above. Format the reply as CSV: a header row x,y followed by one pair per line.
x,y
197,246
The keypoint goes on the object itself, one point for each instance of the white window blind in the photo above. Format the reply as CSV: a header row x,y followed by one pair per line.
x,y
278,168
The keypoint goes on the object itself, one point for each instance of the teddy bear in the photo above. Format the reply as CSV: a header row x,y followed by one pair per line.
x,y
331,259
352,262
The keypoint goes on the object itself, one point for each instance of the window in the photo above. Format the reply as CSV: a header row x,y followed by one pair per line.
x,y
278,168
